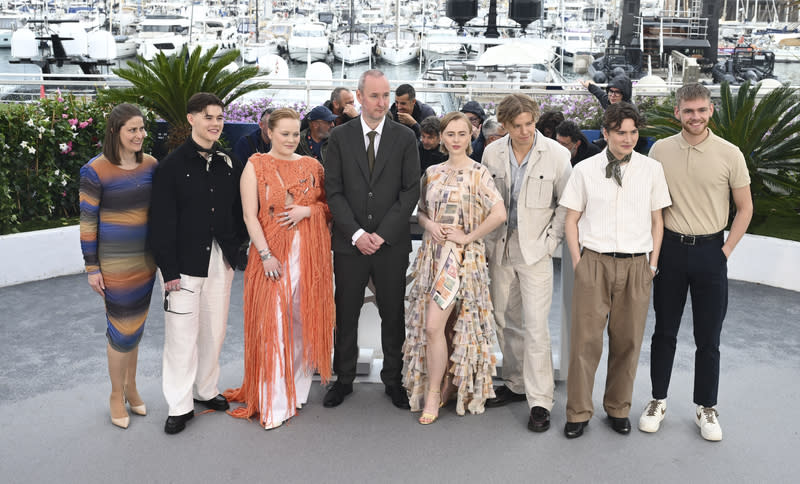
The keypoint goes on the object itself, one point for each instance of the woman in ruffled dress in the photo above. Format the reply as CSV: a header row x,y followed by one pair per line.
x,y
288,287
449,324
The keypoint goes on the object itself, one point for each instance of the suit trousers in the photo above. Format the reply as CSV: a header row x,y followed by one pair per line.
x,y
195,320
522,294
387,267
702,270
614,291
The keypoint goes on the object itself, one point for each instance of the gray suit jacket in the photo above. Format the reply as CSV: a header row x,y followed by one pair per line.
x,y
381,202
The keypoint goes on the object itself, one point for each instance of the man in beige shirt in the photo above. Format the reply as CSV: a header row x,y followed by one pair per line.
x,y
530,171
614,201
702,172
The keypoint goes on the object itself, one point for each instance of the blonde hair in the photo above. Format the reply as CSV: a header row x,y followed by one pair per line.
x,y
449,118
515,104
282,113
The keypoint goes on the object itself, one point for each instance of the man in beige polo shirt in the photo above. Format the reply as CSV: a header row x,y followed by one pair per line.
x,y
530,171
614,201
702,171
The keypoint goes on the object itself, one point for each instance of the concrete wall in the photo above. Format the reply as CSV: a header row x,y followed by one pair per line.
x,y
43,254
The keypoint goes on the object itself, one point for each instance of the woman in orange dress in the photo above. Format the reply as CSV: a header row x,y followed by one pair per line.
x,y
288,288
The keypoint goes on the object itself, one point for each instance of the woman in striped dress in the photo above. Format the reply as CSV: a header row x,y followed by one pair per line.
x,y
114,201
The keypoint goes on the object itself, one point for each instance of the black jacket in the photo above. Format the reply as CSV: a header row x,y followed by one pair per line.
x,y
620,82
429,158
304,147
191,206
252,143
420,112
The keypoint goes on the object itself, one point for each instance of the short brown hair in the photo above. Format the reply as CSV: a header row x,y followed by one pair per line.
x,y
694,90
198,102
617,113
121,114
282,113
449,118
515,104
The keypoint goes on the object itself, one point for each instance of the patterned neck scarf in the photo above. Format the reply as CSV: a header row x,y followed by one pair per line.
x,y
208,153
613,166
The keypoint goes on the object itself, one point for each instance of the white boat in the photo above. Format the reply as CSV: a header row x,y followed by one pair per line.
x,y
352,47
308,42
399,46
126,46
214,32
162,33
252,51
9,22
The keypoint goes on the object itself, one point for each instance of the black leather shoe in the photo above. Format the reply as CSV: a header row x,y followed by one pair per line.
x,y
573,430
398,395
217,403
540,419
504,396
620,425
176,423
336,393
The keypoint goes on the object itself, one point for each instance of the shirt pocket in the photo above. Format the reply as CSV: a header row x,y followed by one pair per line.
x,y
539,193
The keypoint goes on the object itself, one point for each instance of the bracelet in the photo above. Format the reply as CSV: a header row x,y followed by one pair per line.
x,y
265,254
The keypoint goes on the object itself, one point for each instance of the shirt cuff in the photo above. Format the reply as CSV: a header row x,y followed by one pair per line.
x,y
357,235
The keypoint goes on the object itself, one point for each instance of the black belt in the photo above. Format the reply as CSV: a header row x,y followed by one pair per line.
x,y
622,255
691,239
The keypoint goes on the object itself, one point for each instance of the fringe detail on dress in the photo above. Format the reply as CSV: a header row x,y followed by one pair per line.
x,y
262,294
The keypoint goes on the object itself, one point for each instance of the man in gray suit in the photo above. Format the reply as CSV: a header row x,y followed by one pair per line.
x,y
372,184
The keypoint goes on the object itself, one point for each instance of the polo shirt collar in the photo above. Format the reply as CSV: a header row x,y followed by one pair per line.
x,y
701,147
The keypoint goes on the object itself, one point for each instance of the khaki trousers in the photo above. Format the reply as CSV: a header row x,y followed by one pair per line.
x,y
610,290
194,330
521,294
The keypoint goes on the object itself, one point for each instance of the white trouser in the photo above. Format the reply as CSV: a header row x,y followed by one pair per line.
x,y
194,329
281,408
522,294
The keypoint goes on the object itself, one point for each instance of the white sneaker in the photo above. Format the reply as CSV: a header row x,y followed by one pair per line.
x,y
652,415
709,423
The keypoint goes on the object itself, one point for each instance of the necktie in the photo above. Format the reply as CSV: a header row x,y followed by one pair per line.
x,y
371,150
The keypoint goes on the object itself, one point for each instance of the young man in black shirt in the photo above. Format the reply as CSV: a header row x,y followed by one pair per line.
x,y
195,231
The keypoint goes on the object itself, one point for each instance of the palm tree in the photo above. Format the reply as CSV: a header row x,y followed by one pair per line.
x,y
766,131
164,84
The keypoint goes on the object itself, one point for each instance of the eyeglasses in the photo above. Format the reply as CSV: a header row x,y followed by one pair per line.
x,y
166,302
476,121
614,92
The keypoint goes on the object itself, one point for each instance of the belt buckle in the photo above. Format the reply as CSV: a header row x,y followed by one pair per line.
x,y
688,239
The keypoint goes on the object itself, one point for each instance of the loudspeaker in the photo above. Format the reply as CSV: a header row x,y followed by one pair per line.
x,y
525,11
462,11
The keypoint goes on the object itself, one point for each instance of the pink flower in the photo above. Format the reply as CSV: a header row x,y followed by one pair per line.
x,y
64,116
60,99
89,121
73,121
83,124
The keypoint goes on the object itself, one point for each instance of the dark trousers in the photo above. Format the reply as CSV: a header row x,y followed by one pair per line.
x,y
702,270
387,267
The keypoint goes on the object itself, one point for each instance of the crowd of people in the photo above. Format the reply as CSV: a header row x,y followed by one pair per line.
x,y
326,202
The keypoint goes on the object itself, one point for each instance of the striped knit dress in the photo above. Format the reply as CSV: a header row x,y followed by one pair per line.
x,y
113,224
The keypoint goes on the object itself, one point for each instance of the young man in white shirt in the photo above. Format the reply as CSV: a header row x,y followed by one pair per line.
x,y
614,201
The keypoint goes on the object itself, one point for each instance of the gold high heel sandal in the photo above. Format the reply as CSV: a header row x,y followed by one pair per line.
x,y
429,418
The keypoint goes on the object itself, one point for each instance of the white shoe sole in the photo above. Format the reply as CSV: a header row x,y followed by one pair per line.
x,y
649,427
716,437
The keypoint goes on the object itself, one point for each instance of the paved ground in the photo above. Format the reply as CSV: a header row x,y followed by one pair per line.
x,y
54,424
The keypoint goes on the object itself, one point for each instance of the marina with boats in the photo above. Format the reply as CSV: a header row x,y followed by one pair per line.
x,y
489,44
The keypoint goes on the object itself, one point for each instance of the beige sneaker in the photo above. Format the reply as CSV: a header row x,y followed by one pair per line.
x,y
709,423
652,415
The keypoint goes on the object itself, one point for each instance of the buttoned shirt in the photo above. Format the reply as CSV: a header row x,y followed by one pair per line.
x,y
616,218
366,129
517,176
